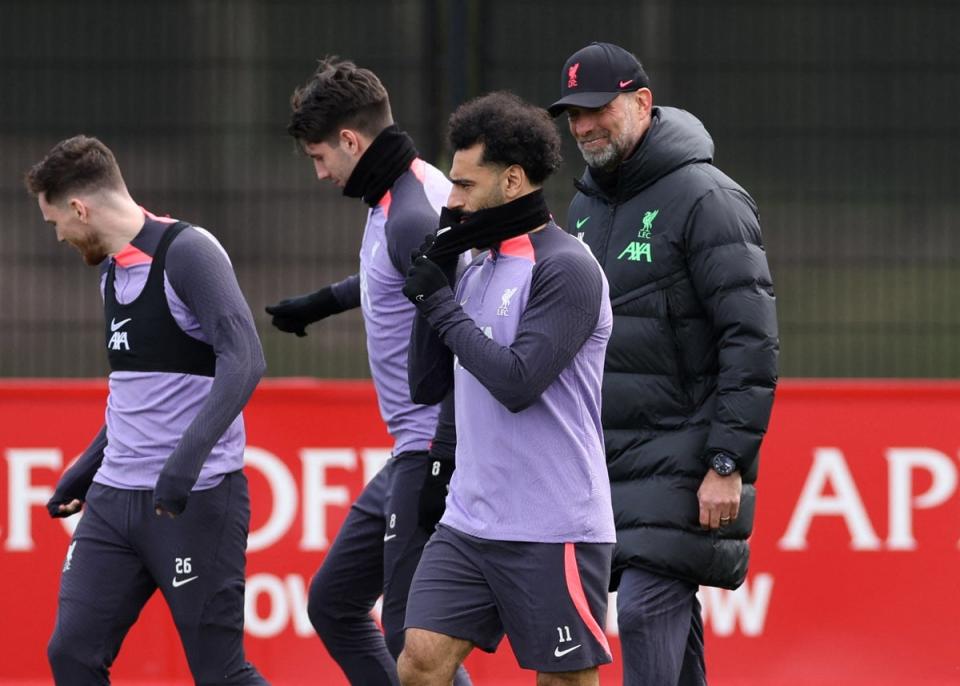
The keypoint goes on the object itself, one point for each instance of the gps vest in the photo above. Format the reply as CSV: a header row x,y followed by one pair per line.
x,y
142,335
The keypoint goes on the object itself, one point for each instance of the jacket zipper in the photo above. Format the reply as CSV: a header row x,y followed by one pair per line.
x,y
602,249
494,257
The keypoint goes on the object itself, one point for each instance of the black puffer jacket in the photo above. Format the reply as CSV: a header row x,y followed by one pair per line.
x,y
692,362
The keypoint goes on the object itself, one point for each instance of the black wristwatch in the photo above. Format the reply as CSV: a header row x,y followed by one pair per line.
x,y
723,464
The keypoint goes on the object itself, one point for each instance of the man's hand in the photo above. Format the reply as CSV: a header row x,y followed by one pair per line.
x,y
170,494
424,248
293,315
447,263
60,508
424,278
719,498
433,495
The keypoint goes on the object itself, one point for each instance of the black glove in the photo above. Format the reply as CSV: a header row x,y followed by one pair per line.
x,y
293,315
448,242
171,493
433,495
424,278
447,263
424,248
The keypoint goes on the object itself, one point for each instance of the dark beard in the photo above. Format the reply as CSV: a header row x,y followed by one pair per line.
x,y
94,258
91,250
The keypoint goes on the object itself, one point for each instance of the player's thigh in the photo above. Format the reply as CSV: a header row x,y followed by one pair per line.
x,y
104,583
449,594
193,554
199,560
553,601
352,570
404,538
431,652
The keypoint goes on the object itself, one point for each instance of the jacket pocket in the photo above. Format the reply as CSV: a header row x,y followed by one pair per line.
x,y
626,302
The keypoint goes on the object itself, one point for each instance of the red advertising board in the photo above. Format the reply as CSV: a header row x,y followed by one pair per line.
x,y
852,580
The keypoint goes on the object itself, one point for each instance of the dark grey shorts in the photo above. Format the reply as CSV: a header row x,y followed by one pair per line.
x,y
549,598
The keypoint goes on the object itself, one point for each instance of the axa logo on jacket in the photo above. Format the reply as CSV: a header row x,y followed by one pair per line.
x,y
639,250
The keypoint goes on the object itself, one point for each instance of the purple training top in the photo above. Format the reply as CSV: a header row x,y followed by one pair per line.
x,y
529,329
155,416
395,227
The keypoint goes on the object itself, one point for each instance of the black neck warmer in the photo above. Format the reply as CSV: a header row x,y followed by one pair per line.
x,y
388,156
486,228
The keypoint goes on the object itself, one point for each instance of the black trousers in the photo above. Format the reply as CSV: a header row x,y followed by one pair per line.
x,y
122,552
661,632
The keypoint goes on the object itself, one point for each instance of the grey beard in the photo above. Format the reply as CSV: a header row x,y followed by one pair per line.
x,y
608,158
616,151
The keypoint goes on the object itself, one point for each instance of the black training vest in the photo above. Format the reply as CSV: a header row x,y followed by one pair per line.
x,y
143,336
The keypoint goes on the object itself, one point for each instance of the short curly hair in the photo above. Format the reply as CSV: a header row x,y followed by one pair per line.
x,y
512,132
339,94
80,163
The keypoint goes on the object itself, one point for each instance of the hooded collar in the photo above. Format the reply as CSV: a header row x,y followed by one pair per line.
x,y
675,139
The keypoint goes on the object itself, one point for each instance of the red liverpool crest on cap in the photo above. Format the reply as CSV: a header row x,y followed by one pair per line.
x,y
572,76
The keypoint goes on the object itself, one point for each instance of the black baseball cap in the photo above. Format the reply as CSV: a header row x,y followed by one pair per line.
x,y
595,75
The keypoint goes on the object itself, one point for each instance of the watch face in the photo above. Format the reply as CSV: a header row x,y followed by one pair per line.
x,y
723,465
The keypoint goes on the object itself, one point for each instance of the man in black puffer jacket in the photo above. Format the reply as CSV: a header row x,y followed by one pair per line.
x,y
691,365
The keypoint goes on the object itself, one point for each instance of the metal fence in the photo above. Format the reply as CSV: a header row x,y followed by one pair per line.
x,y
839,116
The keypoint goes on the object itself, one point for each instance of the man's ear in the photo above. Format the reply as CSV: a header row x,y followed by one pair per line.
x,y
351,142
513,180
644,100
80,208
